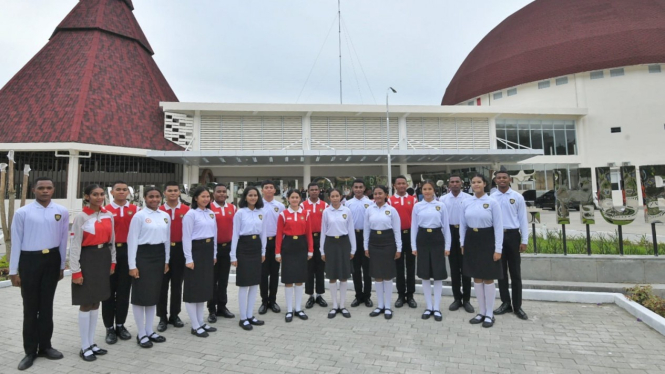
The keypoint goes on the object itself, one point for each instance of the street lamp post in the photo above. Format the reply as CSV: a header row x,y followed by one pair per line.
x,y
390,179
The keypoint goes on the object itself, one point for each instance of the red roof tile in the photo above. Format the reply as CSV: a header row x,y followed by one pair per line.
x,y
94,82
552,38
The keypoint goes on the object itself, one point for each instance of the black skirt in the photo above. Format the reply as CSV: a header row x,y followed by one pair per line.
x,y
199,281
479,255
150,261
96,268
382,249
248,253
294,259
431,259
338,257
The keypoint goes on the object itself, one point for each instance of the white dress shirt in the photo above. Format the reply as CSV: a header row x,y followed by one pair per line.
x,y
198,224
382,218
358,208
271,210
148,227
35,228
513,209
481,213
430,215
337,222
248,222
454,206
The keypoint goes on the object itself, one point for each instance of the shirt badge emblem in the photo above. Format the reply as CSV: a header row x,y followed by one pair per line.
x,y
344,216
166,220
182,215
387,212
261,216
408,202
486,206
320,210
366,206
212,215
276,209
438,208
148,220
58,217
512,201
130,212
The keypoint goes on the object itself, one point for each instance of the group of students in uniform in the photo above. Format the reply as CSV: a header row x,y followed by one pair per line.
x,y
118,250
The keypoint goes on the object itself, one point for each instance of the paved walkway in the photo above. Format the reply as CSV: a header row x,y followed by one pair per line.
x,y
558,338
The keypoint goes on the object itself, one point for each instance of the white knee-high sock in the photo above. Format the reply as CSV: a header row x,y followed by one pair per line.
x,y
333,293
490,297
342,294
191,312
387,292
200,309
427,291
378,286
84,327
150,312
288,294
480,296
298,290
139,318
251,300
242,301
93,326
438,288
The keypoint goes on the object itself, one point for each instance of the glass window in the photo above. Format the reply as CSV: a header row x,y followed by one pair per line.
x,y
616,72
500,135
597,74
543,84
536,137
513,91
560,141
511,138
470,102
548,141
497,95
562,80
524,136
652,69
571,139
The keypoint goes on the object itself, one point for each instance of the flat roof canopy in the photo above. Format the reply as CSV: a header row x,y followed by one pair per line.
x,y
343,157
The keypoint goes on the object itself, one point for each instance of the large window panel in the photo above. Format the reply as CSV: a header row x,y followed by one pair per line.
x,y
548,140
524,136
536,136
572,140
554,137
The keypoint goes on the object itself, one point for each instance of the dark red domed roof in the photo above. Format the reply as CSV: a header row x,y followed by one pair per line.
x,y
552,38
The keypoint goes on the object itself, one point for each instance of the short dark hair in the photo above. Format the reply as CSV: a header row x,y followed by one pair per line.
x,y
313,184
243,199
151,188
197,192
267,182
45,179
118,182
400,177
455,176
220,185
358,180
504,171
171,183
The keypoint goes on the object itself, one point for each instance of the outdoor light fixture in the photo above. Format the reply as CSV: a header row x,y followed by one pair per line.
x,y
254,159
270,158
205,160
388,134
239,160
222,159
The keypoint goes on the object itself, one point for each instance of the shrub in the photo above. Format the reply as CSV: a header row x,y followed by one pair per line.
x,y
644,296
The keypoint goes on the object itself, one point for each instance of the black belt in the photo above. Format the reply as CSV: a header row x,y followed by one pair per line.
x,y
423,229
42,252
337,237
173,244
253,237
119,245
454,226
316,233
206,240
96,246
223,244
271,238
482,229
406,231
359,230
382,232
511,230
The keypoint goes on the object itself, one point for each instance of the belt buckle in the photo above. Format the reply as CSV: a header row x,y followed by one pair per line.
x,y
295,237
357,230
253,236
429,230
208,240
378,232
337,237
224,244
456,226
475,230
100,245
45,251
172,244
316,234
271,238
118,245
405,232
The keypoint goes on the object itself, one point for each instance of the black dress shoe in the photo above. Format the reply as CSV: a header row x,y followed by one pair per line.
x,y
477,319
487,323
321,302
289,317
369,303
345,313
521,315
275,308
146,344
376,312
310,302
50,353
162,325
209,328
122,333
412,303
111,337
399,303
455,305
176,322
156,338
332,313
263,309
88,358
387,313
212,318
255,322
468,307
426,314
245,325
300,314
437,316
503,309
225,313
202,334
27,361
355,303
98,351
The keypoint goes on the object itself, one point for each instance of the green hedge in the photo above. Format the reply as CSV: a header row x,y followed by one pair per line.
x,y
551,242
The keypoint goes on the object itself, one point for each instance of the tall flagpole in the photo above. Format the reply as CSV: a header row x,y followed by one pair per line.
x,y
339,31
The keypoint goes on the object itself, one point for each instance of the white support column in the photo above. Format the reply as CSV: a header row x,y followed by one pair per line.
x,y
401,124
73,182
403,169
197,131
492,134
190,174
307,175
307,132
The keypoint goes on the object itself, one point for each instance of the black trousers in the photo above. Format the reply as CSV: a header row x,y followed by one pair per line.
x,y
511,262
269,274
362,281
455,260
221,282
316,269
175,278
39,274
115,308
406,286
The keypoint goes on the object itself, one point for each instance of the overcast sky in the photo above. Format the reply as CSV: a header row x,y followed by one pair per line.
x,y
262,51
